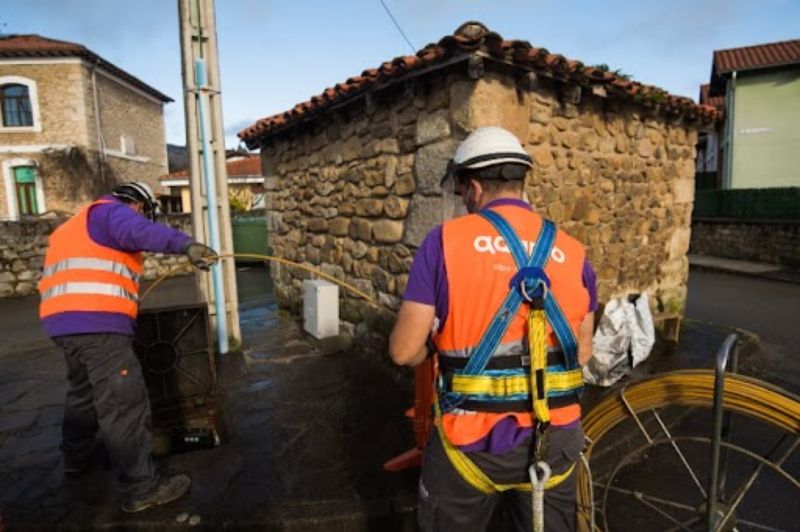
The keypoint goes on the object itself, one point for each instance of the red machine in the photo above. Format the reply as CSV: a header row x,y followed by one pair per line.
x,y
422,418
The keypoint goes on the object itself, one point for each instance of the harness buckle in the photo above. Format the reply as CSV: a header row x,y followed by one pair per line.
x,y
540,441
532,284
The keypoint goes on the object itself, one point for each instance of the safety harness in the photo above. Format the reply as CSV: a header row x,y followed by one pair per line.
x,y
503,383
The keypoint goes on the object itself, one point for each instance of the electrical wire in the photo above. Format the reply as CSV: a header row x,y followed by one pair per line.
x,y
271,258
694,388
397,25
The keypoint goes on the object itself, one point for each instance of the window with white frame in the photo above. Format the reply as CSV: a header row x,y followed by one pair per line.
x,y
19,108
127,145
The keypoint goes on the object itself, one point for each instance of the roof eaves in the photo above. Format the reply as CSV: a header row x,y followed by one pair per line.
x,y
80,51
725,71
339,103
471,40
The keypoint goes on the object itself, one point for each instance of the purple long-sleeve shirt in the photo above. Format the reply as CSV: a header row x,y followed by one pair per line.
x,y
116,225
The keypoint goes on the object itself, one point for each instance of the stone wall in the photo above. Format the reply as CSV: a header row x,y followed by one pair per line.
x,y
770,242
23,245
354,193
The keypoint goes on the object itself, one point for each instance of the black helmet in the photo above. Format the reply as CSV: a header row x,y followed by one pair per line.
x,y
138,192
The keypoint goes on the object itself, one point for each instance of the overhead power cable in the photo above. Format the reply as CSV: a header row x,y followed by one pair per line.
x,y
397,25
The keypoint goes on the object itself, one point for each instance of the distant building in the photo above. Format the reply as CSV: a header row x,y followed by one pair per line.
x,y
72,125
245,185
757,142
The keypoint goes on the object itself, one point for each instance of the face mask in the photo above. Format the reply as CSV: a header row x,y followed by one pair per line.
x,y
452,202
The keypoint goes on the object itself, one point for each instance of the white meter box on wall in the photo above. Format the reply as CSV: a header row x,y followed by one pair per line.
x,y
320,308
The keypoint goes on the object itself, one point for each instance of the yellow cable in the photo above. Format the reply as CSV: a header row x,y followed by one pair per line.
x,y
280,260
694,388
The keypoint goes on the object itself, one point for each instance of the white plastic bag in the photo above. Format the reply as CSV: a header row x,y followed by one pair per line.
x,y
624,338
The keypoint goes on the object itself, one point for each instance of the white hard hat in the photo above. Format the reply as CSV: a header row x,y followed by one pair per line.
x,y
488,146
139,192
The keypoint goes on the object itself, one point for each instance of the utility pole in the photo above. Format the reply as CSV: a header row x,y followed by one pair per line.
x,y
208,177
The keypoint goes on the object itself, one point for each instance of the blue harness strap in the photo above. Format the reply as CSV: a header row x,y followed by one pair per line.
x,y
497,328
559,323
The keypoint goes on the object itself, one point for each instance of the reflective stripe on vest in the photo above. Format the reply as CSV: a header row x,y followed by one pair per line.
x,y
91,264
517,347
96,289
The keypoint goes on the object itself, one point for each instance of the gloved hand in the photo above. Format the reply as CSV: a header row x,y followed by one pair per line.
x,y
200,255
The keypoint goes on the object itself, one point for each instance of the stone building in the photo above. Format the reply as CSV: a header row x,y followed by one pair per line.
x,y
353,174
72,125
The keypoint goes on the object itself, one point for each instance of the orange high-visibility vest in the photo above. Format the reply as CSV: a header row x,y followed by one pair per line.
x,y
479,268
83,276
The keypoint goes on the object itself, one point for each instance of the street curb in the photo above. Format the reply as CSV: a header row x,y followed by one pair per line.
x,y
781,275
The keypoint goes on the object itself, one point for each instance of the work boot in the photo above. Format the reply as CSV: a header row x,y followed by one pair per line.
x,y
167,490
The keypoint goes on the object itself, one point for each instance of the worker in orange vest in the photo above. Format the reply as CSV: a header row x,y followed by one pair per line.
x,y
509,302
89,303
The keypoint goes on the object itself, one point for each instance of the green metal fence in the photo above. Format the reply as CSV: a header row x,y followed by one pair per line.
x,y
250,235
748,204
705,180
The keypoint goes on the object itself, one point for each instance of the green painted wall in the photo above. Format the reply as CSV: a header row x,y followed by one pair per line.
x,y
766,142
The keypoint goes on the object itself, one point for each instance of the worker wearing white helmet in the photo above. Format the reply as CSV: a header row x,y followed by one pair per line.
x,y
90,296
507,296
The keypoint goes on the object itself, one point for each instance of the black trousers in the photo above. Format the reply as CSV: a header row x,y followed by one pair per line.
x,y
107,397
446,502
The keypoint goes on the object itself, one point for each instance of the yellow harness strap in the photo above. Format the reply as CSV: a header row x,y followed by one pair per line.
x,y
514,384
537,345
473,474
538,385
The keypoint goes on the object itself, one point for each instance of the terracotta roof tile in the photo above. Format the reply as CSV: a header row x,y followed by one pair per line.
x,y
717,102
757,56
236,167
475,37
36,46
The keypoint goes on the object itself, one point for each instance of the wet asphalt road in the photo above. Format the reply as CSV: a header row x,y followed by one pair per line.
x,y
272,475
764,307
770,309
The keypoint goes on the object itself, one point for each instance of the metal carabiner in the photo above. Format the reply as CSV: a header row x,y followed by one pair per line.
x,y
538,483
539,480
539,283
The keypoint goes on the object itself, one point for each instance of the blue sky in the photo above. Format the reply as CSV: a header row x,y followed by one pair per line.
x,y
274,54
